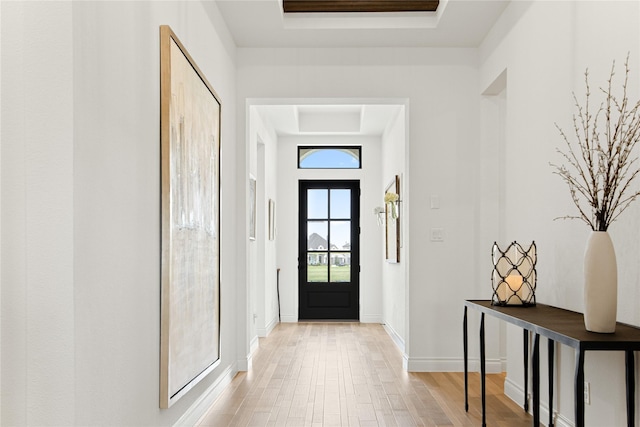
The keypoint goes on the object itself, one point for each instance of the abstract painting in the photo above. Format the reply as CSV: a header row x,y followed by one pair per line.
x,y
190,114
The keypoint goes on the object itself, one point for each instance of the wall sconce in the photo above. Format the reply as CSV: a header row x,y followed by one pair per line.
x,y
392,200
379,213
514,275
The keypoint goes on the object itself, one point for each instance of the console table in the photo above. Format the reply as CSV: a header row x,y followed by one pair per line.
x,y
565,327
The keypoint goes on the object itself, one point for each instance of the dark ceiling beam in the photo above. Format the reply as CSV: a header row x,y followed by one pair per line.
x,y
328,6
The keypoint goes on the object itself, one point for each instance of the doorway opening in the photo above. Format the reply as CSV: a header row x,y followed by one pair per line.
x,y
283,136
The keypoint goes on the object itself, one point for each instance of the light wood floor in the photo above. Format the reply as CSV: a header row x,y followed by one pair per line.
x,y
350,374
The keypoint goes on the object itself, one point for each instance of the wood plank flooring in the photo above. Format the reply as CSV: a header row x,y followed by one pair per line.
x,y
350,374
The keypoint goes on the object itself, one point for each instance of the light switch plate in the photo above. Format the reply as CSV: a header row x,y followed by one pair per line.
x,y
435,201
437,234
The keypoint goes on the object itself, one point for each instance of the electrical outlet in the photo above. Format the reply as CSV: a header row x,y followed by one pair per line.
x,y
587,393
437,235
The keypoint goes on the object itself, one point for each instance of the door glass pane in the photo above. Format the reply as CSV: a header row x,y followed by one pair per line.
x,y
317,235
340,235
317,268
340,269
341,204
317,204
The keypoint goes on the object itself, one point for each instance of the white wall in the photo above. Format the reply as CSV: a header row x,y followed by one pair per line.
x,y
0,211
81,196
264,165
441,86
287,219
545,48
37,201
394,284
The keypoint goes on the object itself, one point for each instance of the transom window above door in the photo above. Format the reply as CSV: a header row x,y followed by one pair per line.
x,y
329,157
360,6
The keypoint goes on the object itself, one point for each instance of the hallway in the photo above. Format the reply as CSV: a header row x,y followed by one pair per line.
x,y
350,374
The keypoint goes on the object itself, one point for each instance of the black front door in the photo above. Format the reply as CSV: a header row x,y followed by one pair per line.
x,y
329,255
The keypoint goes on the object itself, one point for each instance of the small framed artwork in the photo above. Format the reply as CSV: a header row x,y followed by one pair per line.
x,y
272,219
392,221
252,207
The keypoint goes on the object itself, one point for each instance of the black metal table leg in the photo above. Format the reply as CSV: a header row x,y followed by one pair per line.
x,y
552,347
525,339
465,345
631,387
482,372
535,362
579,388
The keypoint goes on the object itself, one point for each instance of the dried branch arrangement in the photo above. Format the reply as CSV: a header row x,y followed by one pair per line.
x,y
601,163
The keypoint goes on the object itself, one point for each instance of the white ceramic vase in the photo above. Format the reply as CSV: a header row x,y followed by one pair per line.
x,y
600,284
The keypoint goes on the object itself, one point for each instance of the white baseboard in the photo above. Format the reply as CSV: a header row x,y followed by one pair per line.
x,y
364,319
515,392
405,362
493,366
371,318
562,421
443,364
244,365
200,407
254,345
397,339
264,332
271,325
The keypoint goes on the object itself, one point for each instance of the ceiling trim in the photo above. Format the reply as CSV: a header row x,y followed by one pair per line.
x,y
359,6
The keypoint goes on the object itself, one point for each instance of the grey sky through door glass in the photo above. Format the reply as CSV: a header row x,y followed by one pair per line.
x,y
341,234
317,204
340,204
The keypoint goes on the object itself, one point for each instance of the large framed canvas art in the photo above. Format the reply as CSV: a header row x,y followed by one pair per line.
x,y
190,114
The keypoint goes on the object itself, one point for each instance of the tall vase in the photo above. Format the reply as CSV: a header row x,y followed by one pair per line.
x,y
600,284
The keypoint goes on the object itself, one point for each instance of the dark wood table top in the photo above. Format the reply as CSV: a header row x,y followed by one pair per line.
x,y
564,326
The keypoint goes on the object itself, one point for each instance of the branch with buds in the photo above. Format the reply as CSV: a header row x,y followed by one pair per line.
x,y
600,163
